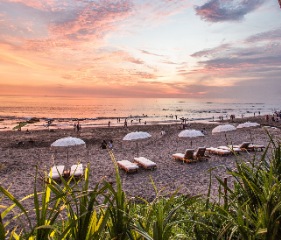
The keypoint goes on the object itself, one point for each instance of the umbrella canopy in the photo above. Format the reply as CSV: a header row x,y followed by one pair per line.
x,y
248,124
190,133
223,128
136,136
68,142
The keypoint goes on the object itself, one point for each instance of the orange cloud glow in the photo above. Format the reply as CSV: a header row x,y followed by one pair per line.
x,y
133,48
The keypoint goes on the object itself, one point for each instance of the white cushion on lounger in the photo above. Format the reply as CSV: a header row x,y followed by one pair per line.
x,y
76,170
145,162
218,151
56,171
231,148
178,155
126,164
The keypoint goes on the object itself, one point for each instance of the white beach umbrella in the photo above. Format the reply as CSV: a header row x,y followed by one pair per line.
x,y
136,136
68,142
223,128
190,133
248,124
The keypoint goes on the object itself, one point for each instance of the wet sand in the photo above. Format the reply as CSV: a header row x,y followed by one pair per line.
x,y
20,153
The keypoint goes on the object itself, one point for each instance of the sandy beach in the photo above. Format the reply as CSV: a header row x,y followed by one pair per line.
x,y
20,153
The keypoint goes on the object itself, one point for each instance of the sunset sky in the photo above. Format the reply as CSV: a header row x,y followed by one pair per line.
x,y
141,48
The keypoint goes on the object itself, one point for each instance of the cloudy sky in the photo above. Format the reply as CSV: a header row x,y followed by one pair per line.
x,y
141,48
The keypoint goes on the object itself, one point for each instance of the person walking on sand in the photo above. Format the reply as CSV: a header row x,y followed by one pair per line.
x,y
108,124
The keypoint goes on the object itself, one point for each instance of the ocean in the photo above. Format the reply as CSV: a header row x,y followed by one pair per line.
x,y
64,111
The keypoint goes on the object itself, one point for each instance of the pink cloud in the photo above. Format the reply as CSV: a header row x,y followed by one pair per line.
x,y
32,3
94,20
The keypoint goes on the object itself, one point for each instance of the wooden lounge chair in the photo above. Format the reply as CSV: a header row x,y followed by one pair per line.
x,y
255,147
243,146
218,151
128,166
186,157
247,146
145,163
200,155
56,172
77,170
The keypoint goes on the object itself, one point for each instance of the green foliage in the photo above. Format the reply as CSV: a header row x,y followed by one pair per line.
x,y
254,203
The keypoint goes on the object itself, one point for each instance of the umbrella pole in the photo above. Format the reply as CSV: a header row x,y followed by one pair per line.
x,y
67,158
251,136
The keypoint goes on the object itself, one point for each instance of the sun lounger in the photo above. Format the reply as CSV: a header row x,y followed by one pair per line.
x,y
243,146
191,155
145,163
255,147
56,172
185,157
127,166
247,146
232,149
76,170
218,151
199,154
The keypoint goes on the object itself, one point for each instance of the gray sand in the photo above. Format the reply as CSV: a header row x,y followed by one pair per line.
x,y
21,152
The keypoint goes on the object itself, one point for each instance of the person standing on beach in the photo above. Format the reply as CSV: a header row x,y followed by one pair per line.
x,y
110,144
108,123
267,118
78,127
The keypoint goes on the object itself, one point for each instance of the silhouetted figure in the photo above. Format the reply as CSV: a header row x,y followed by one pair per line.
x,y
103,144
78,127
